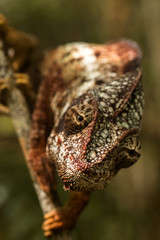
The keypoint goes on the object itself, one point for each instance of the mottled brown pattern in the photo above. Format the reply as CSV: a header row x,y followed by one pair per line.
x,y
86,119
123,56
41,125
88,113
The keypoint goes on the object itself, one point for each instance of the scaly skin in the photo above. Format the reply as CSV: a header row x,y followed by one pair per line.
x,y
99,107
86,119
96,99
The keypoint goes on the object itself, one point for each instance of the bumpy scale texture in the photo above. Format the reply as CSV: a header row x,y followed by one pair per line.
x,y
96,98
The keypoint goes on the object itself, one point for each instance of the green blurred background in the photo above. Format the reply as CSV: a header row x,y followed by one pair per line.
x,y
129,208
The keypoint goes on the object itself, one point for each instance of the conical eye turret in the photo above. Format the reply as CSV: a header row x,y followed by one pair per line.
x,y
78,117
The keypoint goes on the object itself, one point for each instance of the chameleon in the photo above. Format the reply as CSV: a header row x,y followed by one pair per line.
x,y
86,119
97,107
91,99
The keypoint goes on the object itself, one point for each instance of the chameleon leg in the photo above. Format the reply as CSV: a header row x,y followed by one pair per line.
x,y
66,216
41,121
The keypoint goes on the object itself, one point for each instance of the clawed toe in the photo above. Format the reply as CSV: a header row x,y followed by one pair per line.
x,y
3,84
53,221
22,79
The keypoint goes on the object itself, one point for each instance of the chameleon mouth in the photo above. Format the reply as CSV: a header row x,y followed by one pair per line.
x,y
88,180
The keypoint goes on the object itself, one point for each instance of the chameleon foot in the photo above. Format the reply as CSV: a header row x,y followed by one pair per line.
x,y
56,220
20,79
3,84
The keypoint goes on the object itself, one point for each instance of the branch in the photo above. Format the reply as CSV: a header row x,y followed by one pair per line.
x,y
22,120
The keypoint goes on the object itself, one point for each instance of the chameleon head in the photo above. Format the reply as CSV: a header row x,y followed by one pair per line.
x,y
98,134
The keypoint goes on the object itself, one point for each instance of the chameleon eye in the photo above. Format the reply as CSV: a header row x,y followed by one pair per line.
x,y
80,118
132,153
76,120
129,152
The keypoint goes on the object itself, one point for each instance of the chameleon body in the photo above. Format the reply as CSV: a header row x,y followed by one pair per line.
x,y
96,98
86,118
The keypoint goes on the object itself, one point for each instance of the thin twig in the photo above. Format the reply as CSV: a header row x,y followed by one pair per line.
x,y
22,121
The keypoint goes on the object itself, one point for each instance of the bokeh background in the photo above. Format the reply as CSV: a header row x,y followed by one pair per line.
x,y
129,208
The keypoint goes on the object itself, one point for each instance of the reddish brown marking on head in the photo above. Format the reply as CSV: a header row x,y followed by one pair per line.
x,y
99,130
